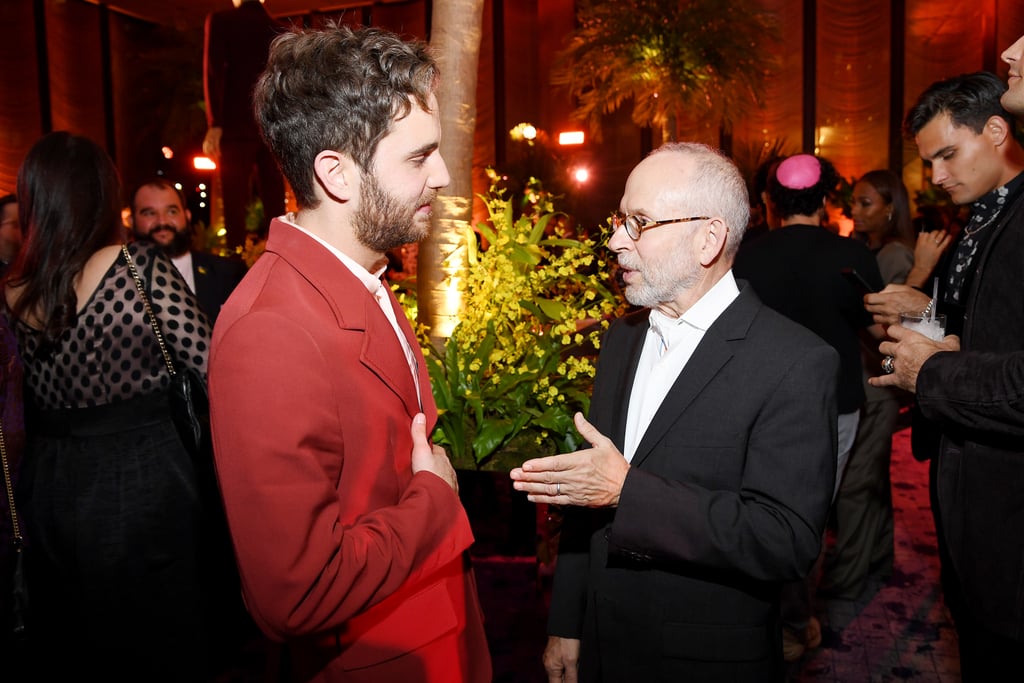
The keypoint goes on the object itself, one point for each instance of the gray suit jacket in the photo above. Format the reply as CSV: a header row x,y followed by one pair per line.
x,y
726,498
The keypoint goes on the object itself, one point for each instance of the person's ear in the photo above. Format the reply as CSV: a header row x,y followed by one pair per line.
x,y
336,174
997,129
714,236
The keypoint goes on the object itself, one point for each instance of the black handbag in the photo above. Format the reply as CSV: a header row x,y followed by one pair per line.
x,y
190,410
19,593
190,405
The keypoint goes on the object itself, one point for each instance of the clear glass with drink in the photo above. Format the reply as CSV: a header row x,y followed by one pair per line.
x,y
933,326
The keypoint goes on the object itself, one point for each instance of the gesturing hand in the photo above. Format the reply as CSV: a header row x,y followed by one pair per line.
x,y
592,477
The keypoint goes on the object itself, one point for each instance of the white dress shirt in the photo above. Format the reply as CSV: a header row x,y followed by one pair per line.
x,y
668,347
374,284
184,265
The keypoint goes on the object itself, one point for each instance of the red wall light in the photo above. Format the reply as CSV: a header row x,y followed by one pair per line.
x,y
571,137
204,163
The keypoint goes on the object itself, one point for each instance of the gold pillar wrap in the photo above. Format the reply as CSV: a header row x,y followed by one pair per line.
x,y
441,262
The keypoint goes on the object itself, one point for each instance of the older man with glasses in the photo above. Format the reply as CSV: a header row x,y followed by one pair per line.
x,y
712,432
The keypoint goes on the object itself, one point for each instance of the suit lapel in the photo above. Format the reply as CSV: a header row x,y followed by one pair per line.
x,y
1008,216
356,309
383,354
199,277
625,370
424,401
710,356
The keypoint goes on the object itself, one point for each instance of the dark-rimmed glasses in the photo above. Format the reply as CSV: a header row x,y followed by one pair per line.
x,y
635,225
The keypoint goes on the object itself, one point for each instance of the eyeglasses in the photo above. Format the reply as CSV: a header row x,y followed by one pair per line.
x,y
635,225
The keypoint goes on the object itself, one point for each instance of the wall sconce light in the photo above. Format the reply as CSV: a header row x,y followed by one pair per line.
x,y
203,163
571,137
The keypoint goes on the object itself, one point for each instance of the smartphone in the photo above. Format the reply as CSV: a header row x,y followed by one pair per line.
x,y
857,281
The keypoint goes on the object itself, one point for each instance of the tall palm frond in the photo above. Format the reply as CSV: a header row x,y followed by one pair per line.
x,y
670,57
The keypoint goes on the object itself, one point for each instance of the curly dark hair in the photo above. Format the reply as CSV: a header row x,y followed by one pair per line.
x,y
339,89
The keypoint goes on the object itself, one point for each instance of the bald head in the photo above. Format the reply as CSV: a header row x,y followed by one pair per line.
x,y
703,180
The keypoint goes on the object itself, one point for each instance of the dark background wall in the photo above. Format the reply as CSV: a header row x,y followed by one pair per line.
x,y
129,74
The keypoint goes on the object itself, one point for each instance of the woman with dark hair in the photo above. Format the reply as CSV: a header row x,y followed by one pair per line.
x,y
107,489
881,217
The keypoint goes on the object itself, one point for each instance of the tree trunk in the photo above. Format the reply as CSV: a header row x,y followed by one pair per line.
x,y
456,30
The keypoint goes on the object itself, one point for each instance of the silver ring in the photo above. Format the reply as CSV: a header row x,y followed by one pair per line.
x,y
558,489
887,365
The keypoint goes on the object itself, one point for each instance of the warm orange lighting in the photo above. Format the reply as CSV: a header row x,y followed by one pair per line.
x,y
571,137
167,152
201,163
581,174
845,226
524,131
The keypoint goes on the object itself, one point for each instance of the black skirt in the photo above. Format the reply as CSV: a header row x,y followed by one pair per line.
x,y
113,523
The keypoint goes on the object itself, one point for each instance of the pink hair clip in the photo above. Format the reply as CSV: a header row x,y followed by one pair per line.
x,y
799,172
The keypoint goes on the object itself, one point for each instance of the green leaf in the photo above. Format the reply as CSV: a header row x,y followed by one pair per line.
x,y
489,436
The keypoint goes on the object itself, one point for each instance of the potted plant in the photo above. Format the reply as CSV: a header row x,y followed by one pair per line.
x,y
520,362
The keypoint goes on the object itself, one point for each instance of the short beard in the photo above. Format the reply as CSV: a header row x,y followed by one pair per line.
x,y
658,286
382,223
178,246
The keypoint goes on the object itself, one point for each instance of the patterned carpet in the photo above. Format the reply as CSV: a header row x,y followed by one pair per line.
x,y
899,630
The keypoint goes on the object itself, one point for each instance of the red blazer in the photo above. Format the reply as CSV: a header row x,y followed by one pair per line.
x,y
353,562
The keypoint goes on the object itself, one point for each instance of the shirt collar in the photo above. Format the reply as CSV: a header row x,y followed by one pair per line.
x,y
988,206
707,309
372,281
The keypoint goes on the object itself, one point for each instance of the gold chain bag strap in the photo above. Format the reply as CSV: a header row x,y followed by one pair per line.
x,y
149,310
19,593
189,404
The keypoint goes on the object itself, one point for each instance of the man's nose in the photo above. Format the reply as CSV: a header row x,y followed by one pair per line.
x,y
439,176
620,241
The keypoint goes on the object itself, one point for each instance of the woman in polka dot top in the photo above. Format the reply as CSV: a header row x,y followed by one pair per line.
x,y
107,490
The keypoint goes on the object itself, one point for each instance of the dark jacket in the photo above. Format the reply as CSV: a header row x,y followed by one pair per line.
x,y
976,399
726,498
215,277
796,270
